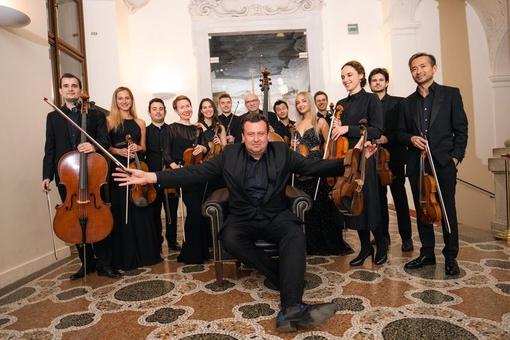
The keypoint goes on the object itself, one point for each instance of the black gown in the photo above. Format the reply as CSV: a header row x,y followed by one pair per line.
x,y
368,106
136,243
195,248
323,222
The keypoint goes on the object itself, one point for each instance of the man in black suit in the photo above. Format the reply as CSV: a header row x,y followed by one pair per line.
x,y
252,103
379,80
434,114
281,108
228,119
256,174
154,158
62,137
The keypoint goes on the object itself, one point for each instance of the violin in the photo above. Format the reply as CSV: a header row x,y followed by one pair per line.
x,y
430,211
337,149
83,217
188,157
215,149
265,81
300,148
347,193
141,195
382,160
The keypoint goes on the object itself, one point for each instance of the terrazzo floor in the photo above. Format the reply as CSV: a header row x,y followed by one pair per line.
x,y
175,301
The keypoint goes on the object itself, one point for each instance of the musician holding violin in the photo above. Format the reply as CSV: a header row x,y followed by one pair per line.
x,y
323,223
228,119
184,145
214,132
154,159
360,105
61,138
135,238
394,174
433,121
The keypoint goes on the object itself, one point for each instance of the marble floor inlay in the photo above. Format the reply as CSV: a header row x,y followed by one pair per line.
x,y
176,301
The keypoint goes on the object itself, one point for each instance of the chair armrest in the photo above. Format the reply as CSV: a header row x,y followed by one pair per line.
x,y
214,208
299,201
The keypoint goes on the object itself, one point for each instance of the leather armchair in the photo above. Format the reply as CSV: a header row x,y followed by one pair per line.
x,y
216,209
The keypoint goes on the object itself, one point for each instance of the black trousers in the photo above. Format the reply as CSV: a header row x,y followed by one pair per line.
x,y
171,210
98,254
288,271
447,177
398,192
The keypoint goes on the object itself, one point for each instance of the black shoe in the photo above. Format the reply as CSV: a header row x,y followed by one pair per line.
x,y
381,256
286,321
420,261
174,246
407,245
345,249
317,314
360,259
451,267
109,272
81,273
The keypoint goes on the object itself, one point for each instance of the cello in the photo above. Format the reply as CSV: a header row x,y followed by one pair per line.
x,y
83,217
265,81
347,193
140,195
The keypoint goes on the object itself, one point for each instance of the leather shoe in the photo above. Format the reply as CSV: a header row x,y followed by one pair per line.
x,y
360,259
451,267
81,273
420,261
286,320
407,245
345,249
109,272
303,315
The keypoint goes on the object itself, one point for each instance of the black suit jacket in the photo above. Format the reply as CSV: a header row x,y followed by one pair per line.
x,y
448,129
231,166
58,141
391,112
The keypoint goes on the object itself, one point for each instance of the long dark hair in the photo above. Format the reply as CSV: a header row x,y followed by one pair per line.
x,y
201,117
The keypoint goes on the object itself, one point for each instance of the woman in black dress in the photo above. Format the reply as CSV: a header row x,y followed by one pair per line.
x,y
323,222
179,137
214,132
357,105
135,243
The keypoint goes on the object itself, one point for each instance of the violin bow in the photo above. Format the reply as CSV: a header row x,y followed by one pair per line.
x,y
89,137
48,203
127,187
231,117
325,153
443,207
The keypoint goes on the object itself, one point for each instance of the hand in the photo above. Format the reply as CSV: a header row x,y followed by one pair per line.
x,y
174,165
216,140
133,176
271,129
382,140
201,126
455,161
339,131
133,148
418,142
123,152
45,185
294,143
86,147
199,149
230,139
370,149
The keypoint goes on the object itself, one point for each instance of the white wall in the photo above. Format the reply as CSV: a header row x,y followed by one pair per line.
x,y
483,106
25,67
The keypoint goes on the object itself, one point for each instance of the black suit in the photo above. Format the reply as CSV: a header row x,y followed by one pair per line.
x,y
397,151
59,142
233,123
270,218
154,159
447,136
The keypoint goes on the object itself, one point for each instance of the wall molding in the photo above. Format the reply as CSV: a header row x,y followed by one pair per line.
x,y
243,8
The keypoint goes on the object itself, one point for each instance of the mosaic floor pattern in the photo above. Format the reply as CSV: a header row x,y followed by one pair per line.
x,y
174,301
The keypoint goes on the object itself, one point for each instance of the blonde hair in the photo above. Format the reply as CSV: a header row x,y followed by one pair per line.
x,y
313,112
114,118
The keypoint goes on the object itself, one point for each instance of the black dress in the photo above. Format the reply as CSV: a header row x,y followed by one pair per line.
x,y
195,250
323,222
368,106
136,243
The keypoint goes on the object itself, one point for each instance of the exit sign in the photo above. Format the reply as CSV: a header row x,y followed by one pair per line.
x,y
352,29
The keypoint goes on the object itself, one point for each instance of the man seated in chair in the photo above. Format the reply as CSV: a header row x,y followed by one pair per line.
x,y
256,173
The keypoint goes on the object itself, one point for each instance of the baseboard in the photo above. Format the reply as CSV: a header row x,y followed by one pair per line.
x,y
27,268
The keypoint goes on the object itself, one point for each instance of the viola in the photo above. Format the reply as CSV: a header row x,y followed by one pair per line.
x,y
347,193
430,211
83,217
382,159
140,195
337,149
188,157
265,81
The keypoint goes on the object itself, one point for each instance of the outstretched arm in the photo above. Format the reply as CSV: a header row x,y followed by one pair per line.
x,y
134,176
